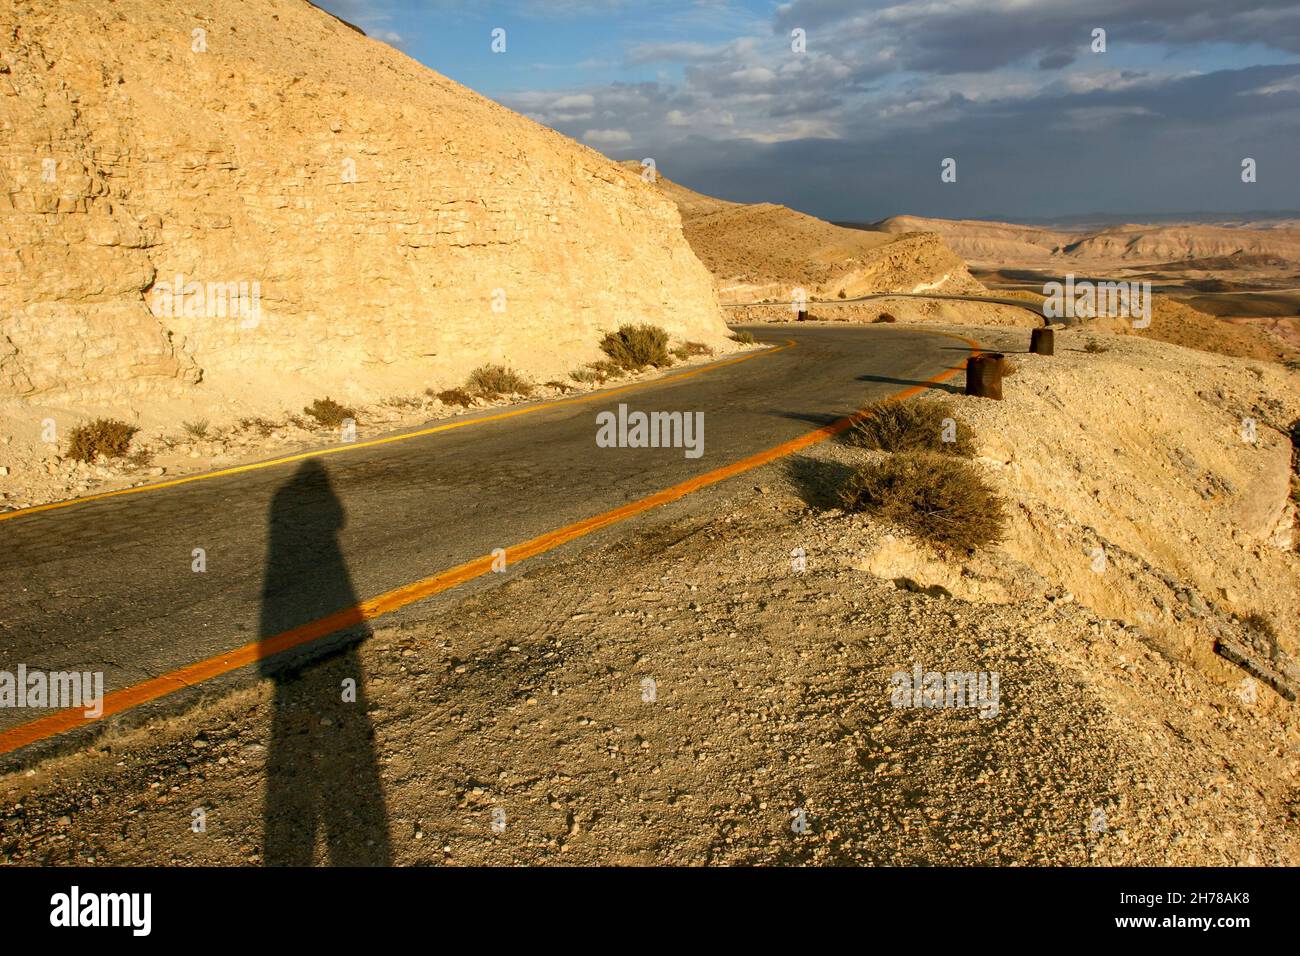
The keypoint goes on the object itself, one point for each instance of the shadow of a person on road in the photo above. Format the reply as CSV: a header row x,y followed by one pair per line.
x,y
322,777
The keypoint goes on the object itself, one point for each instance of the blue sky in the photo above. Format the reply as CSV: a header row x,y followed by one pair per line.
x,y
856,125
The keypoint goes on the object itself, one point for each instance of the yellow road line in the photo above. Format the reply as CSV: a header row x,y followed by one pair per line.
x,y
390,439
137,694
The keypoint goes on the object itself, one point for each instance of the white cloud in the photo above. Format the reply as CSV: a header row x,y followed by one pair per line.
x,y
607,137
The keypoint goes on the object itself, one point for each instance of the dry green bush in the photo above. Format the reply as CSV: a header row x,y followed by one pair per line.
x,y
744,338
597,373
102,438
690,349
913,426
1093,346
452,396
329,413
259,425
633,347
198,429
492,381
938,498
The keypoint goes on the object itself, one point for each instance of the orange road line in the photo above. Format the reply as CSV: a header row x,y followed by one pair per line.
x,y
191,674
405,436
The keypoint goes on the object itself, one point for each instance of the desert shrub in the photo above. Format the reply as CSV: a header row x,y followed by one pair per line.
x,y
841,293
913,426
259,425
938,498
744,338
1094,346
885,317
633,347
1261,625
597,373
689,349
490,381
102,438
328,412
452,396
198,429
141,458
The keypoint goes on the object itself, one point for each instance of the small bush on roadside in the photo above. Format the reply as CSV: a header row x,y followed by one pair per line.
x,y
102,438
198,429
259,425
329,413
744,338
690,349
491,381
938,498
919,425
1094,347
633,347
452,396
885,317
597,373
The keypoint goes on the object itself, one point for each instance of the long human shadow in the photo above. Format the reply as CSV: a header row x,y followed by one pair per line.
x,y
322,777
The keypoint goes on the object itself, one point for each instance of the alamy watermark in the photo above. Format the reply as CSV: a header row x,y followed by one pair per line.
x,y
1085,299
210,300
651,430
953,690
57,689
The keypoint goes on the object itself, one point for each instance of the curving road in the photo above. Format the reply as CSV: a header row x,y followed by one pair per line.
x,y
1034,307
109,585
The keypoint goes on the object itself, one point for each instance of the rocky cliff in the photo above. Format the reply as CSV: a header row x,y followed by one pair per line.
x,y
250,201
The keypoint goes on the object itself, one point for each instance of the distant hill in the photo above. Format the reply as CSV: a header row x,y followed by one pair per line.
x,y
985,243
764,251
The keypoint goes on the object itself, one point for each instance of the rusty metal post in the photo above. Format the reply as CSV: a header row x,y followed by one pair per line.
x,y
984,375
1042,342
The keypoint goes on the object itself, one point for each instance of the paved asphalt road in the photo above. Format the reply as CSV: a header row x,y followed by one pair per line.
x,y
108,585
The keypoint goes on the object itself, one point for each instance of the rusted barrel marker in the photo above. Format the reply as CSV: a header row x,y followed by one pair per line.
x,y
1042,342
984,375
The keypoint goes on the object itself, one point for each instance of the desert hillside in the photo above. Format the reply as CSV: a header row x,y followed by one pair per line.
x,y
763,251
245,204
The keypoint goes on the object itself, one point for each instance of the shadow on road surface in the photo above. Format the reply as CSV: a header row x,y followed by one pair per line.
x,y
322,778
938,386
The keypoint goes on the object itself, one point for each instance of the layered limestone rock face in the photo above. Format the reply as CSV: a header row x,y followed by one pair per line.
x,y
250,201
